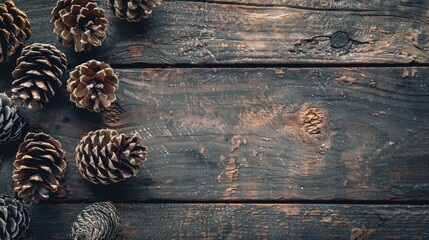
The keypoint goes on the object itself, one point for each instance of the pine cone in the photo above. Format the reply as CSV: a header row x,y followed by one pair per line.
x,y
38,74
133,10
14,218
98,221
11,121
14,28
80,23
104,156
92,85
113,114
39,163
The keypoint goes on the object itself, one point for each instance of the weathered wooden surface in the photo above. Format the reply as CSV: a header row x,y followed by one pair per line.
x,y
245,221
244,134
300,32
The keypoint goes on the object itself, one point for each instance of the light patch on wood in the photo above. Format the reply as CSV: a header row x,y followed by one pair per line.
x,y
290,210
231,172
235,144
254,153
405,73
362,233
346,79
136,51
230,191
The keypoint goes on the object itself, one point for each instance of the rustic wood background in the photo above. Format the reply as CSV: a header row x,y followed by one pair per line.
x,y
265,119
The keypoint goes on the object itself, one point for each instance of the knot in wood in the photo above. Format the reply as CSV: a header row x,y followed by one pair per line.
x,y
339,39
422,39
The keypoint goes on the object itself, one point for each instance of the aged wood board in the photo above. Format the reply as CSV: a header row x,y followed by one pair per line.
x,y
223,33
264,119
284,134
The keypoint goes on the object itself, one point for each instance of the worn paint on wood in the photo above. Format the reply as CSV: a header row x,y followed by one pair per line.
x,y
300,32
285,134
245,221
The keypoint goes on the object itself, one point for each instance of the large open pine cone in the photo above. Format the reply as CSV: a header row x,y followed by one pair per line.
x,y
104,156
98,221
92,85
14,28
11,121
38,74
14,218
80,23
39,163
133,10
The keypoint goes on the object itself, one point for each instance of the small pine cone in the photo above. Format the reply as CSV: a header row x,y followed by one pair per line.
x,y
11,121
39,163
133,10
113,114
14,218
105,157
38,74
14,28
80,23
92,85
98,221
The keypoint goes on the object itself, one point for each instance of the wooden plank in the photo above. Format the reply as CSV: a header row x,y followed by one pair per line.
x,y
244,134
202,33
245,221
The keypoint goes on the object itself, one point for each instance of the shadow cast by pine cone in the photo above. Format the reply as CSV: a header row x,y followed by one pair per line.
x,y
122,191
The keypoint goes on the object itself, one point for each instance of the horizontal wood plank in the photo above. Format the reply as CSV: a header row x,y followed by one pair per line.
x,y
204,33
245,221
282,134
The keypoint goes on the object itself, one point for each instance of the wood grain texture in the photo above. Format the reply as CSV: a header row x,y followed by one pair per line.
x,y
245,221
300,32
285,134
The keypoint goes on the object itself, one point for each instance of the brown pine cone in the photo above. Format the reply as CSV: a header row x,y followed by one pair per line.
x,y
14,28
14,218
92,85
113,114
98,221
39,163
80,23
11,121
133,10
38,74
105,157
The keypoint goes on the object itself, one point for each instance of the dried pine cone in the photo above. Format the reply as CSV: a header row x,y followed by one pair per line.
x,y
11,122
98,221
14,218
104,156
14,28
112,114
92,85
39,163
80,23
38,74
133,10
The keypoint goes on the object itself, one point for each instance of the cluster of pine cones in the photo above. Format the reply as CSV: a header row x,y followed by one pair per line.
x,y
102,156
